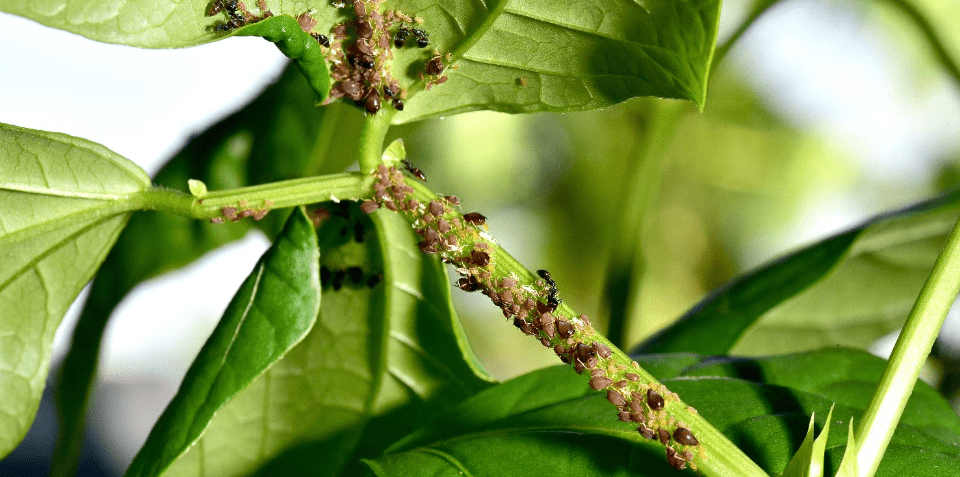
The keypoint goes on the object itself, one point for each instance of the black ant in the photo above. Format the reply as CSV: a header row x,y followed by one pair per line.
x,y
409,166
321,39
400,38
423,40
552,301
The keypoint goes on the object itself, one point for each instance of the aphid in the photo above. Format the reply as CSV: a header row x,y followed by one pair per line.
x,y
469,284
663,435
615,398
591,362
364,30
322,39
351,89
636,407
398,104
685,437
443,226
427,247
372,103
435,207
435,66
565,329
599,382
355,273
631,376
603,350
551,330
400,38
675,460
374,280
654,400
646,432
368,206
475,218
452,199
480,258
423,40
214,8
229,212
359,8
325,275
625,416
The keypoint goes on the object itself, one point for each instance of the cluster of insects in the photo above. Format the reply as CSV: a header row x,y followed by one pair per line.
x,y
237,14
242,211
462,241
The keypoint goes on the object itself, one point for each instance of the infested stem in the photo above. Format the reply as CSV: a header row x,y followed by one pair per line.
x,y
462,241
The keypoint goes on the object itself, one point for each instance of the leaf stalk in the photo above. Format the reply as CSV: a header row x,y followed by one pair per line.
x,y
911,351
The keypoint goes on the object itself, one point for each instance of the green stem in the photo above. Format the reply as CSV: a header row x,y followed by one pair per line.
x,y
371,140
272,196
911,351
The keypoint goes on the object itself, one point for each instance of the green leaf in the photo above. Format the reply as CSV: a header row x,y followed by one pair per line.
x,y
381,360
808,461
523,56
242,149
848,465
847,290
549,422
63,200
272,311
143,23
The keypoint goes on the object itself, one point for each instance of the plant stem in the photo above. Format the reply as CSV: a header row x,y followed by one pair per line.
x,y
722,457
914,344
371,140
270,196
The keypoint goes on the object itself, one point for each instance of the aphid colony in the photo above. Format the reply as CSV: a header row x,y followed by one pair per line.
x,y
237,14
242,211
462,241
360,70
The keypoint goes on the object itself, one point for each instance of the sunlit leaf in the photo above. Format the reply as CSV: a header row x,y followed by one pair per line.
x,y
550,422
847,290
533,55
63,200
272,311
386,354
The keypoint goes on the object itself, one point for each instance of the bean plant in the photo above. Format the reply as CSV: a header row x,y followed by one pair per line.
x,y
341,353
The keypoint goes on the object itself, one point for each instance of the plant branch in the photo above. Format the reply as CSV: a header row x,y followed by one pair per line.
x,y
911,351
371,140
462,241
274,195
